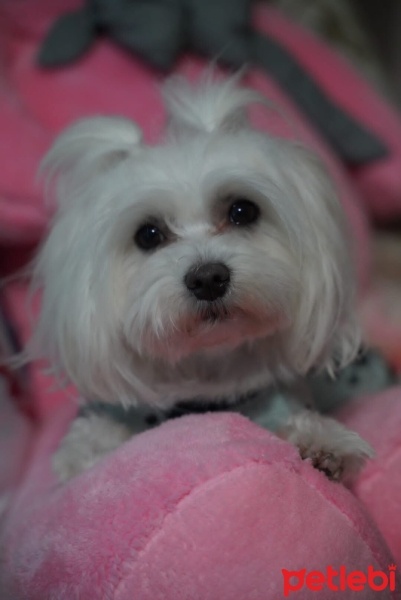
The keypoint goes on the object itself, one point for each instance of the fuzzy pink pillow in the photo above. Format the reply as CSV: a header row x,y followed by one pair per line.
x,y
377,418
207,507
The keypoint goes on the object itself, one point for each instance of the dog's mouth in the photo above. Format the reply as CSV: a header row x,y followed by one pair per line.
x,y
214,313
214,326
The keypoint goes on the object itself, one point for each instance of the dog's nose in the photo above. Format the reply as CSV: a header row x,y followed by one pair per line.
x,y
209,281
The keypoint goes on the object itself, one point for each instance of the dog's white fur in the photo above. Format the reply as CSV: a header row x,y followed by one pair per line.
x,y
119,322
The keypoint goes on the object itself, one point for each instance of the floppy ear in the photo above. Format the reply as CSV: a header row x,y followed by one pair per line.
x,y
90,147
209,105
71,329
326,331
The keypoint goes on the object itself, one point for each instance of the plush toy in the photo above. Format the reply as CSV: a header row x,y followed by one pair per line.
x,y
208,506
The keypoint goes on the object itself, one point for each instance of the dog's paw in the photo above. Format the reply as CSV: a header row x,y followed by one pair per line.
x,y
328,445
330,464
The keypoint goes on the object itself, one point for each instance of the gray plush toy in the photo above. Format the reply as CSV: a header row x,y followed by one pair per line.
x,y
221,30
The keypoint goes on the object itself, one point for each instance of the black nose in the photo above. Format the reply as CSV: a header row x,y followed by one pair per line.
x,y
209,281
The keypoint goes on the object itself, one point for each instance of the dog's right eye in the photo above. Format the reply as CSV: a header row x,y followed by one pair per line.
x,y
243,212
149,237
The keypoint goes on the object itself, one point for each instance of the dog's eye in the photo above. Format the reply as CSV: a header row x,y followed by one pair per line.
x,y
149,237
243,212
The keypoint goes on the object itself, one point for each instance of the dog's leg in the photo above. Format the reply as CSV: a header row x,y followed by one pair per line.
x,y
331,447
90,437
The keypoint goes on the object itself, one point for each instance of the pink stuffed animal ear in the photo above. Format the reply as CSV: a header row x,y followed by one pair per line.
x,y
379,181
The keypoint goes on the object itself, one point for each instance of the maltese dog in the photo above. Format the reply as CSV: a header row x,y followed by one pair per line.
x,y
204,269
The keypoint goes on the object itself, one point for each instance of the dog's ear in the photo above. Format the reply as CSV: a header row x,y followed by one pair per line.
x,y
209,105
85,167
90,147
326,325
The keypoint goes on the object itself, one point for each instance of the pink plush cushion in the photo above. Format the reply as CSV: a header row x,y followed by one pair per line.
x,y
379,182
378,419
205,507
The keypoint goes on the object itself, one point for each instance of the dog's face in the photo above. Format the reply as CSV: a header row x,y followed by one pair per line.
x,y
162,257
202,255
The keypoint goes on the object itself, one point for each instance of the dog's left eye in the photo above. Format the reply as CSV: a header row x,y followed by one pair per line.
x,y
149,237
243,212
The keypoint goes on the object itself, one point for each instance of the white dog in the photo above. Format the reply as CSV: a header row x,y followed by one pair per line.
x,y
207,267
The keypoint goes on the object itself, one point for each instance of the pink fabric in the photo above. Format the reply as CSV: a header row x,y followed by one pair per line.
x,y
379,182
378,420
16,434
205,507
380,314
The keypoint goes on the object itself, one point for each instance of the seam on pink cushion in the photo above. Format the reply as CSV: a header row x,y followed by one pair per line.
x,y
194,490
252,463
377,537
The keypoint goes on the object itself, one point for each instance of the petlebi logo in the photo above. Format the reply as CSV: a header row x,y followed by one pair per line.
x,y
338,580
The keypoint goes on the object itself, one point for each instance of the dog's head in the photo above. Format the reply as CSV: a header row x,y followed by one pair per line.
x,y
219,238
